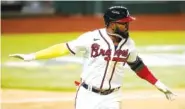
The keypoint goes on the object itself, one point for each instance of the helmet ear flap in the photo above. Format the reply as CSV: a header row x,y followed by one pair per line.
x,y
107,20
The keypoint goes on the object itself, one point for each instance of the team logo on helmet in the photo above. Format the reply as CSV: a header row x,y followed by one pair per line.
x,y
115,12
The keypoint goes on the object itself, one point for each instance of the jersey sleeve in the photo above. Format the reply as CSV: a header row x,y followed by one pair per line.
x,y
79,44
133,53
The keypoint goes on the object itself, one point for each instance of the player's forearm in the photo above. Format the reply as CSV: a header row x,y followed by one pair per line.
x,y
146,74
142,71
52,52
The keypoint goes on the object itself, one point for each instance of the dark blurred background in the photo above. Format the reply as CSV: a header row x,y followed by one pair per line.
x,y
25,8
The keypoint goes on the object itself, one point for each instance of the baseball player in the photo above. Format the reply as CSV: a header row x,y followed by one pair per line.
x,y
106,51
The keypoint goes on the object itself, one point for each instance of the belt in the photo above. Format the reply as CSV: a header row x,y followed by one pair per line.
x,y
99,91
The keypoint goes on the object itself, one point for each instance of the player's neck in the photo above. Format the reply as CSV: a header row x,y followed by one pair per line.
x,y
114,38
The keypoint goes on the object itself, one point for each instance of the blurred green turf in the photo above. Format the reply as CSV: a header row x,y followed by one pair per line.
x,y
43,78
158,37
172,76
62,77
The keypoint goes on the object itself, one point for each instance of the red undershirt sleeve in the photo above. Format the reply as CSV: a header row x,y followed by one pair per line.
x,y
142,70
146,74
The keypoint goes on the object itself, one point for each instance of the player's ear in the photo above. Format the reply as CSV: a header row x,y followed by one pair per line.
x,y
112,25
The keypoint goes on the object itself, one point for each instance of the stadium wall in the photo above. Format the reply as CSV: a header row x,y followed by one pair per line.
x,y
86,23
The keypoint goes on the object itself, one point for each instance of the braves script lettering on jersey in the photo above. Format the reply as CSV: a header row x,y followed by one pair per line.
x,y
103,66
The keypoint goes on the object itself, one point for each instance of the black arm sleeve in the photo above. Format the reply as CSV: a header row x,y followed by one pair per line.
x,y
137,65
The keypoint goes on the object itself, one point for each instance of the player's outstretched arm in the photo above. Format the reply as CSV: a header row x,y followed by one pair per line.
x,y
143,72
50,52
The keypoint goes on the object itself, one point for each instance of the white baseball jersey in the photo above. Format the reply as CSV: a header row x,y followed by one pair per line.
x,y
103,63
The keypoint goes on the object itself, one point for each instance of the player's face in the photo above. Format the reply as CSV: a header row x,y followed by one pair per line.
x,y
121,26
